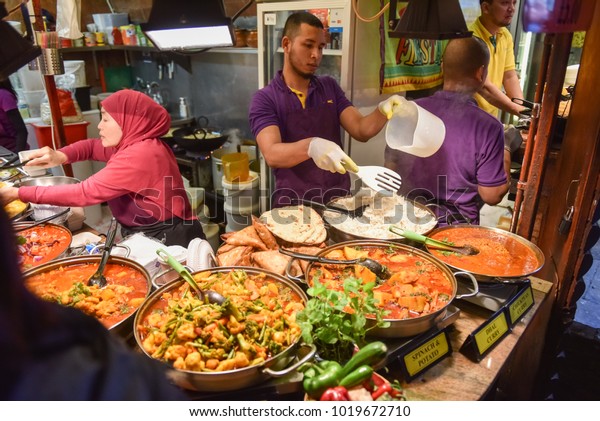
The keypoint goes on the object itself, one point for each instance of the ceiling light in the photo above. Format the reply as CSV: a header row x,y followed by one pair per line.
x,y
428,19
189,25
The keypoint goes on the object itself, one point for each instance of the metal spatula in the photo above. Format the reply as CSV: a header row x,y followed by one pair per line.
x,y
380,179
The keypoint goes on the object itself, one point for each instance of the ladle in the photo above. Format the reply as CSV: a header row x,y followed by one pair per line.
x,y
381,271
466,249
98,278
206,296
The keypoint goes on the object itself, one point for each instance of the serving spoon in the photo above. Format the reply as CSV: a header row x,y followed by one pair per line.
x,y
381,271
465,249
209,296
98,277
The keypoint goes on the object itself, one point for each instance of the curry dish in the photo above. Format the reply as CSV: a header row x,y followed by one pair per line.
x,y
193,335
126,288
38,245
499,255
417,286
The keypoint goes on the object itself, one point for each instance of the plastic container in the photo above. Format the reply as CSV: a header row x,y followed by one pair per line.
x,y
217,167
109,20
34,99
414,130
236,167
241,202
76,68
73,133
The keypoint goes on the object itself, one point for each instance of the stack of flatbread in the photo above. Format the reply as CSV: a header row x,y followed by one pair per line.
x,y
256,246
296,224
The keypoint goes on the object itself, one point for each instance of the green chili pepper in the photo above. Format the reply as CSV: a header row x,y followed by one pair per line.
x,y
315,386
368,355
362,373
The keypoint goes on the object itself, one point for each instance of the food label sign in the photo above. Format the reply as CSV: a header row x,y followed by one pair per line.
x,y
424,354
519,305
487,336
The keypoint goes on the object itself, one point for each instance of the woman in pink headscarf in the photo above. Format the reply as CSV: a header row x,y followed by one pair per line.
x,y
141,181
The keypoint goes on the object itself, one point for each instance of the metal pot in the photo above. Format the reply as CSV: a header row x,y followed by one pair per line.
x,y
125,326
21,227
400,328
337,233
276,366
505,237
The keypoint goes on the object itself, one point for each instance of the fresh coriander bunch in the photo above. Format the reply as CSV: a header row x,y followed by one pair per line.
x,y
335,321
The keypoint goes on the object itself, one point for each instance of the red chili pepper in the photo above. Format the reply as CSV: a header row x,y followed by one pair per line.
x,y
381,389
337,393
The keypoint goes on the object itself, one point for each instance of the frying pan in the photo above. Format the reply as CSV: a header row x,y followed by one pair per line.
x,y
199,138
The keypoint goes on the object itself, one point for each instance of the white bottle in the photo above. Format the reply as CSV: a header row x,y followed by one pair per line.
x,y
184,111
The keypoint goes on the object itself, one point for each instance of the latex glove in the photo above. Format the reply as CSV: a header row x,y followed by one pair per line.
x,y
329,156
512,139
391,105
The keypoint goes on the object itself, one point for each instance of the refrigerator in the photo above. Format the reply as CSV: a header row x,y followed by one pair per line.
x,y
351,56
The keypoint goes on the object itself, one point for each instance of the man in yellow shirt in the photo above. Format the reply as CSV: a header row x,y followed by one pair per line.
x,y
491,25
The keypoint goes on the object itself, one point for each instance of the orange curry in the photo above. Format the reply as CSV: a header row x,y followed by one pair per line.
x,y
41,244
499,255
417,286
125,290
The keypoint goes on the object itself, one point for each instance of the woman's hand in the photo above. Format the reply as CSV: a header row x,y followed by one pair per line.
x,y
8,194
46,157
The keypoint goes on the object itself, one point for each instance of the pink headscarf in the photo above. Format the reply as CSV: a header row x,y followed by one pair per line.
x,y
138,116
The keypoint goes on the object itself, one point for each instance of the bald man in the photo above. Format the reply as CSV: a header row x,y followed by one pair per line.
x,y
471,166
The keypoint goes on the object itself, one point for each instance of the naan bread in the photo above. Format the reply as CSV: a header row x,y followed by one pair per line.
x,y
296,224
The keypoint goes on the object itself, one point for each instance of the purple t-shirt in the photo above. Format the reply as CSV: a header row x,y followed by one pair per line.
x,y
277,105
8,133
471,155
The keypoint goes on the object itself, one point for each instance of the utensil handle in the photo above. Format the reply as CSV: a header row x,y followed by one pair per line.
x,y
409,235
110,239
182,271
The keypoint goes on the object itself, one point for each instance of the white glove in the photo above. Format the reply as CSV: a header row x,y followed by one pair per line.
x,y
329,156
391,105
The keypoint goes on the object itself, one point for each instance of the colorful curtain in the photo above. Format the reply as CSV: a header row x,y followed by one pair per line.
x,y
408,64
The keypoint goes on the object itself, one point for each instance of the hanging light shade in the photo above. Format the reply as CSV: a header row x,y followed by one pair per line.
x,y
428,19
188,25
15,51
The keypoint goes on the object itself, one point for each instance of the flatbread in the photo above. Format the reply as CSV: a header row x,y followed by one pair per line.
x,y
265,235
296,224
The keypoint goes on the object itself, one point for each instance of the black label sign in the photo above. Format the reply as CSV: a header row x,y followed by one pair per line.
x,y
520,305
487,336
420,356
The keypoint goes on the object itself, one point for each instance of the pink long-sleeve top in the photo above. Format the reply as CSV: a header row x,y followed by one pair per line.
x,y
141,181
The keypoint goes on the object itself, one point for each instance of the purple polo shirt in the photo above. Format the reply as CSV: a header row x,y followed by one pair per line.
x,y
8,133
277,105
472,155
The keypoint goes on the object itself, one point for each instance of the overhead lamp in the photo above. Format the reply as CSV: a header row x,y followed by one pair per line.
x,y
428,19
15,51
189,25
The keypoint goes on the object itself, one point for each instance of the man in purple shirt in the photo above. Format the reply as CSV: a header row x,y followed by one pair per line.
x,y
472,164
298,117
